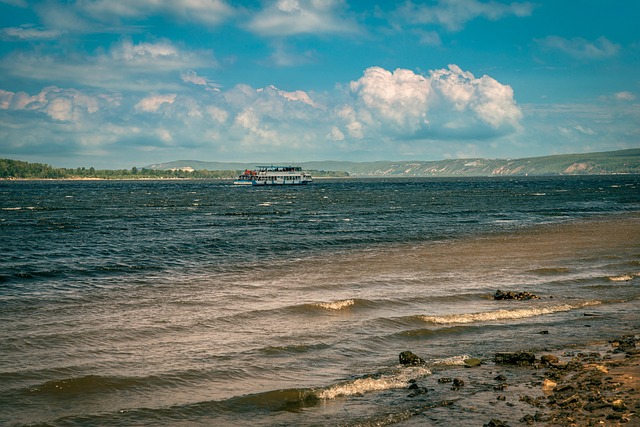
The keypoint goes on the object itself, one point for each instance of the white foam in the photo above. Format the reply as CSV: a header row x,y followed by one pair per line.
x,y
622,278
369,384
451,361
505,314
336,305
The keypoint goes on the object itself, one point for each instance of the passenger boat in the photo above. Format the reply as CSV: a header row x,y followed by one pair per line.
x,y
274,175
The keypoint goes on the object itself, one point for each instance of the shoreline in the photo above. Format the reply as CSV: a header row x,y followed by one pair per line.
x,y
597,384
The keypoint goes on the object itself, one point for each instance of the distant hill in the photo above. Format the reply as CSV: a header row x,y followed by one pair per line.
x,y
611,162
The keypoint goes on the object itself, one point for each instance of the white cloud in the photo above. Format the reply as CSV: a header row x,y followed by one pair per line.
x,y
217,114
193,77
152,103
580,48
454,14
91,16
29,33
448,101
395,111
625,96
59,104
399,98
290,17
126,66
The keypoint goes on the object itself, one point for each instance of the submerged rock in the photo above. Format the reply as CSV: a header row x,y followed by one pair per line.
x,y
522,358
472,362
502,295
408,358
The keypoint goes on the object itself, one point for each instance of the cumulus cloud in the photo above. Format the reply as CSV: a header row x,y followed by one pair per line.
x,y
402,108
152,103
290,17
454,14
59,104
580,48
400,99
447,101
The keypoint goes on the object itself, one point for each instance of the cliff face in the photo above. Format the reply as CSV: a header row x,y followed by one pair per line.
x,y
613,162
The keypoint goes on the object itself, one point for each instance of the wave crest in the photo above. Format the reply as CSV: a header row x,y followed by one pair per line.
x,y
336,305
374,383
521,313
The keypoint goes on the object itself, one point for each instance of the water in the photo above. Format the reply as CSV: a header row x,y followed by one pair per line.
x,y
201,303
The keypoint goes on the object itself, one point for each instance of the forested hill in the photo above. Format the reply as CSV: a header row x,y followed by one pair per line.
x,y
611,162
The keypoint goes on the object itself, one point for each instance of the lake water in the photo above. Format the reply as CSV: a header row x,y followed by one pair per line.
x,y
203,303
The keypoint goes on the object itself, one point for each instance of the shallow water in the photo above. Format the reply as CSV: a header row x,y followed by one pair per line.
x,y
197,302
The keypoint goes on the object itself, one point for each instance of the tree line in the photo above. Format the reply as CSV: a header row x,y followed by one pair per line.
x,y
16,169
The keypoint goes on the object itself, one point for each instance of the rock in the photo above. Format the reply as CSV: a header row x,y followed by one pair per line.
x,y
457,383
528,419
445,380
472,362
521,358
549,384
520,296
496,423
619,405
408,358
625,344
549,359
500,378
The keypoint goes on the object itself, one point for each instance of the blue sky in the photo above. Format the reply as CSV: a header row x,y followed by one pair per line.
x,y
117,84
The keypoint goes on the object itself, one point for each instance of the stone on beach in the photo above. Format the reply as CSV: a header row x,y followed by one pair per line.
x,y
408,358
520,296
520,358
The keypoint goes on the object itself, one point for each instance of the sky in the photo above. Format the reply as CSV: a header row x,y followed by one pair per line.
x,y
116,84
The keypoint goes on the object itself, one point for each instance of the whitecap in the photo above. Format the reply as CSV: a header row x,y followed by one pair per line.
x,y
336,305
621,278
505,314
374,383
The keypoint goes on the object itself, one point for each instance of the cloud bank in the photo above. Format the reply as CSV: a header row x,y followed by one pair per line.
x,y
381,104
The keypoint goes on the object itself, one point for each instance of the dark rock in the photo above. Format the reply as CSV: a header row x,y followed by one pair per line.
x,y
502,398
457,383
408,358
445,380
625,344
500,387
544,332
528,419
496,423
520,296
500,378
549,359
522,358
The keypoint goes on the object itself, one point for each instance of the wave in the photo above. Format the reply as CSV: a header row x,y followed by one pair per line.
x,y
624,277
378,382
293,349
335,305
521,313
86,384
